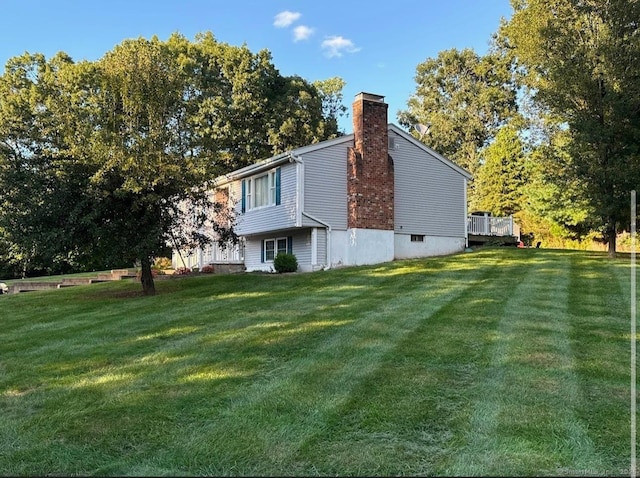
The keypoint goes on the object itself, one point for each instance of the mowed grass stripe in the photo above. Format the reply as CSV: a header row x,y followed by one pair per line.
x,y
531,390
600,336
402,418
295,402
142,363
381,370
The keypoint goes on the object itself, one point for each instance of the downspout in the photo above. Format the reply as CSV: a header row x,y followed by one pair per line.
x,y
299,187
466,217
300,206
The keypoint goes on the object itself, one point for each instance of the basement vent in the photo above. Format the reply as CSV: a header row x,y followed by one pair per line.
x,y
393,144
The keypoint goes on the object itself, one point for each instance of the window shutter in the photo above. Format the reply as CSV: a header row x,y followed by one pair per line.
x,y
243,206
290,244
262,251
278,187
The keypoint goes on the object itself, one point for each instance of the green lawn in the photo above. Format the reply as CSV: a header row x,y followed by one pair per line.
x,y
496,362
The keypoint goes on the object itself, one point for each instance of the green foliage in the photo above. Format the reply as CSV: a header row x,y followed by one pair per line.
x,y
330,91
464,98
161,263
501,176
285,262
581,61
98,160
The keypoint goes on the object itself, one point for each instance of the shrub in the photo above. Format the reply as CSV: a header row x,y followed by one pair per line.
x,y
162,263
208,269
285,262
181,271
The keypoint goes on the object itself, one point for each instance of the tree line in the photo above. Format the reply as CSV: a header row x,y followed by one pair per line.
x,y
548,121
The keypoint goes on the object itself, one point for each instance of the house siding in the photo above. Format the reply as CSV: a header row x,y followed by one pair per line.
x,y
325,184
301,249
429,195
322,247
283,216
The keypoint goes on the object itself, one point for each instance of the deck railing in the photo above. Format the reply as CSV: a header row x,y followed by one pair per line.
x,y
492,226
231,253
212,254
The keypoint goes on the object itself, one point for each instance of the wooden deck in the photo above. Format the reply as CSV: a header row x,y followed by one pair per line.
x,y
479,240
493,230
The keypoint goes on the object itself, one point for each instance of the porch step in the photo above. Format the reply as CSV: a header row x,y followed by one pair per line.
x,y
30,286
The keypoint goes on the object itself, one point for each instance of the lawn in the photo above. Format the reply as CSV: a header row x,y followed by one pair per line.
x,y
496,362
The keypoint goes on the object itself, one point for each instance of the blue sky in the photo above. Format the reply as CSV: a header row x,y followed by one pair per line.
x,y
374,46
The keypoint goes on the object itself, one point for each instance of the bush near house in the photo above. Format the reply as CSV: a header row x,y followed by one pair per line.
x,y
161,263
285,262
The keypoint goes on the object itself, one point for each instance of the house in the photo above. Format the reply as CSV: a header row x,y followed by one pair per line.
x,y
369,197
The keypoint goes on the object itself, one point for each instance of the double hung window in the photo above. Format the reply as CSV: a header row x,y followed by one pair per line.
x,y
261,191
272,247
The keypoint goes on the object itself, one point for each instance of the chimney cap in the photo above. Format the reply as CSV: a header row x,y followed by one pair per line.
x,y
369,97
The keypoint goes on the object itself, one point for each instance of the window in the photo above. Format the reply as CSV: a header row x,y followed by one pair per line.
x,y
269,250
272,247
261,191
417,237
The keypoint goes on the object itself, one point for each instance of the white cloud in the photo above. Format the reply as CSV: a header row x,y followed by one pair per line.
x,y
286,18
337,46
302,32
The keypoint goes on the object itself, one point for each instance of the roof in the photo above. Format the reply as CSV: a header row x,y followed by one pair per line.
x,y
292,155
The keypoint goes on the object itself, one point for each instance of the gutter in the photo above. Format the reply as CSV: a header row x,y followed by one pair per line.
x,y
253,169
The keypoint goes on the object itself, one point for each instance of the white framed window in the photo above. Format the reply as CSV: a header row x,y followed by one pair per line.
x,y
261,191
272,247
417,237
261,195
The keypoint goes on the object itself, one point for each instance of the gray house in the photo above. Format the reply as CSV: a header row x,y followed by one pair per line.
x,y
369,197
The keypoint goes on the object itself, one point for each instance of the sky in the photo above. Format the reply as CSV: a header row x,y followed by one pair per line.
x,y
374,46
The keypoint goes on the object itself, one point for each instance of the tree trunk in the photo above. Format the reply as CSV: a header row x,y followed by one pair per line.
x,y
611,239
148,287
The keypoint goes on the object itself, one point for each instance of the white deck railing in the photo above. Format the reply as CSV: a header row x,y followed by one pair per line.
x,y
492,226
212,254
231,253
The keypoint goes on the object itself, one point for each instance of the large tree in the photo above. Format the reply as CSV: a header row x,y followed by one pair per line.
x,y
464,98
96,158
581,61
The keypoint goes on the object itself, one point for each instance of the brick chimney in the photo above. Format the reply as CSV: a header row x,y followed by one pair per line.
x,y
370,182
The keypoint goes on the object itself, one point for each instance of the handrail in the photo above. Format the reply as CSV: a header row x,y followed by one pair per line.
x,y
490,225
